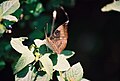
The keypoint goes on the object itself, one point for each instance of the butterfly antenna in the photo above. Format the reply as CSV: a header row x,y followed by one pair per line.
x,y
53,21
65,14
46,30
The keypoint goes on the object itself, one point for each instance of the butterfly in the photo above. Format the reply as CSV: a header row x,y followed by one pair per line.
x,y
58,39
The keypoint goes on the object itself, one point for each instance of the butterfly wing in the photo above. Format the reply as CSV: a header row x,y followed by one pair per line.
x,y
58,40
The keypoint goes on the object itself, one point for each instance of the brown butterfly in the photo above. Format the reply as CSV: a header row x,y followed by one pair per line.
x,y
58,39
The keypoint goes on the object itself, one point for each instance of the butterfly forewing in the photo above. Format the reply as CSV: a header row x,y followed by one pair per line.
x,y
58,40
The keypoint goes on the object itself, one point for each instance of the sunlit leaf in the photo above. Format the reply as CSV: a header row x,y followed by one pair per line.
x,y
83,79
62,64
75,73
60,78
47,64
9,7
10,18
2,29
16,43
39,42
27,56
115,5
45,77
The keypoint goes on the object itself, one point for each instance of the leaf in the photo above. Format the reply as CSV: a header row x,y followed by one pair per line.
x,y
43,78
30,1
2,64
47,64
35,34
53,57
16,43
27,56
83,79
9,7
10,18
62,64
67,53
115,5
75,73
39,8
60,78
39,42
25,75
2,29
43,49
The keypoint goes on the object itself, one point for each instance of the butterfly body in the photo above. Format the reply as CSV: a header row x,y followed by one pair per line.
x,y
58,40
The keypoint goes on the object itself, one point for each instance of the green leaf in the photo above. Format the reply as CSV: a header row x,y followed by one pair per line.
x,y
62,64
115,5
36,34
54,57
10,18
67,53
2,64
27,56
39,9
7,23
43,49
75,73
30,1
9,7
47,64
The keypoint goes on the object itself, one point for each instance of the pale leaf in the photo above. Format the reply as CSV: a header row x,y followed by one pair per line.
x,y
23,61
9,7
83,79
27,56
75,73
115,5
2,29
27,77
10,18
47,64
62,64
60,78
16,43
45,77
39,42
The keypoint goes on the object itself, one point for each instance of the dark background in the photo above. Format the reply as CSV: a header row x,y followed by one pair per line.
x,y
95,38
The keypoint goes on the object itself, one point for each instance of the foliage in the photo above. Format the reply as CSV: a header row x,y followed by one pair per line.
x,y
32,57
7,8
115,5
35,61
